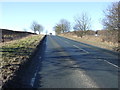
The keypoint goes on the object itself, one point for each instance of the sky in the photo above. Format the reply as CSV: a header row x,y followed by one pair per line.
x,y
20,15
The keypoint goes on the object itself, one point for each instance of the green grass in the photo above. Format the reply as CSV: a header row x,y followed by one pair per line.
x,y
15,52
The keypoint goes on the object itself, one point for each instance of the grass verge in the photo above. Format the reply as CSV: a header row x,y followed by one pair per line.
x,y
15,53
93,40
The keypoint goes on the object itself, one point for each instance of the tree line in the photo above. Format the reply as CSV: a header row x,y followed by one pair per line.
x,y
82,23
36,27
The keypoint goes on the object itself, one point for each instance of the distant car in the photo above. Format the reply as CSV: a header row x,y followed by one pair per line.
x,y
50,33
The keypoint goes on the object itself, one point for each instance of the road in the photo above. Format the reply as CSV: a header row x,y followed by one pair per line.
x,y
69,64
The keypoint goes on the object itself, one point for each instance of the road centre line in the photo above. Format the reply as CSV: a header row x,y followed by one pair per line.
x,y
67,42
80,48
109,63
64,41
59,38
99,59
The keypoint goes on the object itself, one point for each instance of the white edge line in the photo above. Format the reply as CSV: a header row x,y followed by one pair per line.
x,y
34,77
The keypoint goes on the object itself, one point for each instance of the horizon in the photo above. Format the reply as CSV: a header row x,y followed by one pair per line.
x,y
19,16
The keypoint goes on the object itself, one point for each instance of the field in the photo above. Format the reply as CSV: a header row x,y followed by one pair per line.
x,y
15,53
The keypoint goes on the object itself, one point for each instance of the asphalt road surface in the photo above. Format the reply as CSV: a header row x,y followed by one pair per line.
x,y
66,63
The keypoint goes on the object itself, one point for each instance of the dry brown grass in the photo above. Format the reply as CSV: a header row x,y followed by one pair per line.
x,y
92,40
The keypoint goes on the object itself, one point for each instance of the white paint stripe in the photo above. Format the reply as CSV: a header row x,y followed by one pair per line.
x,y
67,42
99,59
33,80
34,77
109,63
80,48
64,41
60,39
76,46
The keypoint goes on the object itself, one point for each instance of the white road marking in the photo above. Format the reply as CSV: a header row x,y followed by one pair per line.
x,y
67,42
40,57
109,63
80,48
64,41
88,52
34,77
60,39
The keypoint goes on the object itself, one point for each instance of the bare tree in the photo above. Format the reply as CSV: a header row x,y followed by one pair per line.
x,y
111,19
36,27
65,25
40,28
62,26
58,29
82,23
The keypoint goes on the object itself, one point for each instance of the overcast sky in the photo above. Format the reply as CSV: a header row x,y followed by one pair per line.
x,y
20,15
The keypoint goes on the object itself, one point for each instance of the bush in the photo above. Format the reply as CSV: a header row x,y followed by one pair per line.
x,y
109,35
